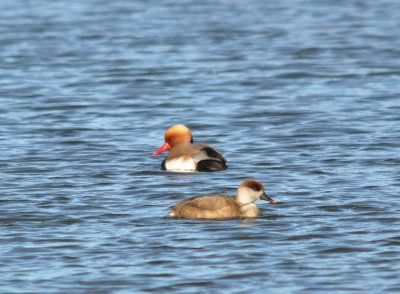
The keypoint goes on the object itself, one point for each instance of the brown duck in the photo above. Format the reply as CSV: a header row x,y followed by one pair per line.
x,y
222,206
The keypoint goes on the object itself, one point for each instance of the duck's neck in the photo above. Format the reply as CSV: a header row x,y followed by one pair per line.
x,y
249,210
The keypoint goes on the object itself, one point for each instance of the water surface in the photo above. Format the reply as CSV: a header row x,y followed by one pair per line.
x,y
302,95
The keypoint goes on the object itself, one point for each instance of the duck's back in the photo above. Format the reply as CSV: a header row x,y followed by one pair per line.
x,y
212,207
200,157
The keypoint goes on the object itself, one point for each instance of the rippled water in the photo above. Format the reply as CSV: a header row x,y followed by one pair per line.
x,y
302,95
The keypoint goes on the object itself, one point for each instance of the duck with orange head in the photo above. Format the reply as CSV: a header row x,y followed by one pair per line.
x,y
187,156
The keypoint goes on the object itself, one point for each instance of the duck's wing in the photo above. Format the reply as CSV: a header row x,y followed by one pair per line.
x,y
208,158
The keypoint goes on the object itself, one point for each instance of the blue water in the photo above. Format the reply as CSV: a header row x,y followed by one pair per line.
x,y
302,95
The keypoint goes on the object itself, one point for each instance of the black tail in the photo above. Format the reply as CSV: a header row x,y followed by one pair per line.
x,y
211,165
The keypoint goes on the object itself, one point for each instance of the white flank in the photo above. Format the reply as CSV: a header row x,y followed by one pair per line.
x,y
180,164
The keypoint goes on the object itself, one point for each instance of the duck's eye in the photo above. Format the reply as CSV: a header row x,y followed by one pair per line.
x,y
254,188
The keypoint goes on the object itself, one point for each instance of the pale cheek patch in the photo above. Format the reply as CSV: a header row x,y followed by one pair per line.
x,y
180,164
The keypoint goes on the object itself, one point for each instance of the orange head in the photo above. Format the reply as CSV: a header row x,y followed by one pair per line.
x,y
175,135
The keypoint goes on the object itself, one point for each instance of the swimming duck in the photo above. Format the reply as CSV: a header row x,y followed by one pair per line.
x,y
184,155
220,206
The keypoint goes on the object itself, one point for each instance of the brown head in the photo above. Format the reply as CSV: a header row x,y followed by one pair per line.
x,y
175,135
251,190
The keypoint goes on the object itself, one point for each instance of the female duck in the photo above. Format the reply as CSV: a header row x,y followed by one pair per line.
x,y
221,206
184,155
